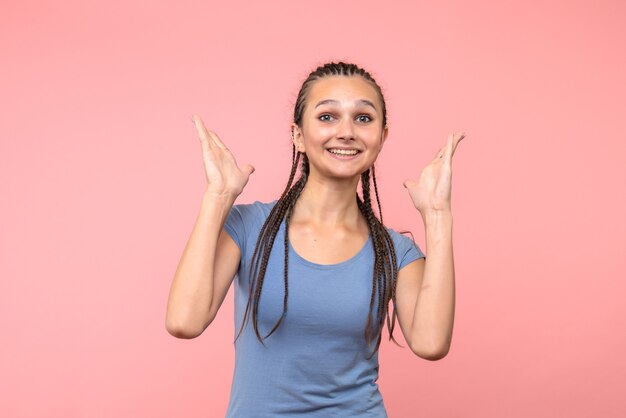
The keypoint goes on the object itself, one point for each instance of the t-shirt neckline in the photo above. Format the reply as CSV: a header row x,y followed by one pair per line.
x,y
309,263
341,264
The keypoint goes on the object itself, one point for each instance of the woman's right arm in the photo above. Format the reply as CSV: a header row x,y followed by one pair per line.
x,y
202,273
211,257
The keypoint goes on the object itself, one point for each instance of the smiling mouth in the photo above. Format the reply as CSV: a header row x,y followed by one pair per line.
x,y
343,155
337,151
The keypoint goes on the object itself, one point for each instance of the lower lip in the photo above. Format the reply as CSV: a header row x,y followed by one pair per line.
x,y
344,157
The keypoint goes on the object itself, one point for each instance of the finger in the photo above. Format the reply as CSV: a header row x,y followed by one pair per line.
x,y
217,140
440,153
457,142
205,140
206,146
207,135
450,145
445,149
448,148
202,131
209,146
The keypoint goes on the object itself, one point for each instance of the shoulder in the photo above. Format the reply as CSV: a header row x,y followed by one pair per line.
x,y
250,216
255,209
247,219
399,238
406,248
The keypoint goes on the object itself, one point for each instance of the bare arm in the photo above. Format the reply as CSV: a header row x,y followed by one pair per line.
x,y
192,290
428,303
210,258
433,317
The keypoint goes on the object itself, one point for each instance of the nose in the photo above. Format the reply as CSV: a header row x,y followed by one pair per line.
x,y
345,130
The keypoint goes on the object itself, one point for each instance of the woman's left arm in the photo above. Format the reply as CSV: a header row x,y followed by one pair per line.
x,y
433,315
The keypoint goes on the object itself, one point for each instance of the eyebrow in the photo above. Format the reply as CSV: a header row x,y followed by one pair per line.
x,y
361,102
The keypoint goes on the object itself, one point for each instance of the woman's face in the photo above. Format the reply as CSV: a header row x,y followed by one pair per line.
x,y
341,112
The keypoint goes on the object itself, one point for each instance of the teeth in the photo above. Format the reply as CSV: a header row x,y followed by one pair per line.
x,y
343,152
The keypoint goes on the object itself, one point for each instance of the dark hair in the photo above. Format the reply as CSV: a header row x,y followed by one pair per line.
x,y
385,267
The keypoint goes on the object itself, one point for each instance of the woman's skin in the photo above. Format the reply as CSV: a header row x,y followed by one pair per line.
x,y
326,226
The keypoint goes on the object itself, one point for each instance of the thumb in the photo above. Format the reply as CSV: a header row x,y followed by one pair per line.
x,y
249,169
408,183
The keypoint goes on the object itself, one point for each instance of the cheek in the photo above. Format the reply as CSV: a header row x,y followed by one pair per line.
x,y
374,141
320,134
323,130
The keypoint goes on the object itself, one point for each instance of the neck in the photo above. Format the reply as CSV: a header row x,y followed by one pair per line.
x,y
328,203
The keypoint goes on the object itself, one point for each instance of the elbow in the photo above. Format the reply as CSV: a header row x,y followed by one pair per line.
x,y
432,353
181,323
179,330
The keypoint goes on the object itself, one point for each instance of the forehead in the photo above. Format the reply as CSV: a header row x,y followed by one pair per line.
x,y
342,88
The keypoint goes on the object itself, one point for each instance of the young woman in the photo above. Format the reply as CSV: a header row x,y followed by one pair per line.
x,y
317,268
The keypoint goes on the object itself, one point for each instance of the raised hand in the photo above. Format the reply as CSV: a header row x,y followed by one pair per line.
x,y
433,190
224,177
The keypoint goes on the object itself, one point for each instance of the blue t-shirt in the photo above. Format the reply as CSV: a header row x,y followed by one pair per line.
x,y
315,363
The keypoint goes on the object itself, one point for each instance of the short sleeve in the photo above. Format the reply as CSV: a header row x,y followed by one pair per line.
x,y
244,221
235,226
407,251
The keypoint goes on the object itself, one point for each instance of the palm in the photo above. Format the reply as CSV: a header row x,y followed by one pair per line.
x,y
433,190
224,177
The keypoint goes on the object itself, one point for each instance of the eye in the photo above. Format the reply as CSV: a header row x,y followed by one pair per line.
x,y
321,117
367,118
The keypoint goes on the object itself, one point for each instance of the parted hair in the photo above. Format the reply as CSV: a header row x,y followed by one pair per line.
x,y
385,267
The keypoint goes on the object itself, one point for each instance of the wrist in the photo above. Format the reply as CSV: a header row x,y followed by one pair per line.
x,y
435,217
221,199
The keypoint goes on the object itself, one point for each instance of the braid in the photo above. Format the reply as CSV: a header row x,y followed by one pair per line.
x,y
380,212
385,269
394,264
266,239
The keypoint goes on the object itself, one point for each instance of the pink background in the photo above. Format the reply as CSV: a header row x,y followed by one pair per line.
x,y
101,178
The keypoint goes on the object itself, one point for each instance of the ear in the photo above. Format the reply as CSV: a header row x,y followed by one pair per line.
x,y
296,137
384,138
